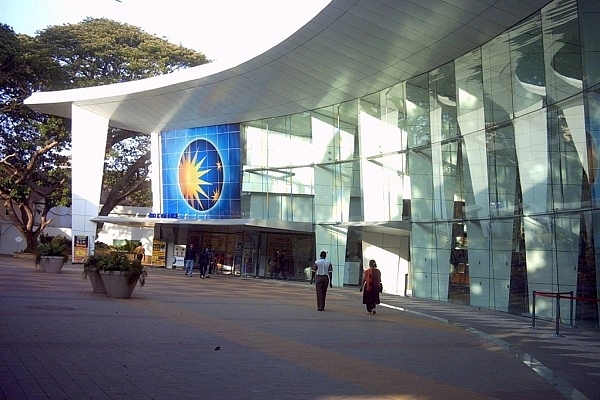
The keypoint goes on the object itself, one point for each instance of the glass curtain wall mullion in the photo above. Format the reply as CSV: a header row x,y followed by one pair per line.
x,y
500,143
590,31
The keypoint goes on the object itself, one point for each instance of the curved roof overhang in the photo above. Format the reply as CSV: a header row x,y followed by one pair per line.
x,y
348,50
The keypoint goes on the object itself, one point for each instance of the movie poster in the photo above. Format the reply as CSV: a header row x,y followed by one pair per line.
x,y
81,249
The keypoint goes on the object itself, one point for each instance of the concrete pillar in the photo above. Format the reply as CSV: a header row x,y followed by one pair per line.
x,y
88,142
155,157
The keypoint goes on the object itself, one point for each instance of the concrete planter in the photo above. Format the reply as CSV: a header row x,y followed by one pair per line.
x,y
118,284
96,280
27,256
51,264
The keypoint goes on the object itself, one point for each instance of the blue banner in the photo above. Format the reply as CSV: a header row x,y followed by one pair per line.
x,y
201,172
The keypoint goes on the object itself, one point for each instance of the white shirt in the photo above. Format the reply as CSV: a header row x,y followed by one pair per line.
x,y
323,266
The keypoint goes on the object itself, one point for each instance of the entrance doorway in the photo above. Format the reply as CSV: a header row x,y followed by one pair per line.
x,y
259,254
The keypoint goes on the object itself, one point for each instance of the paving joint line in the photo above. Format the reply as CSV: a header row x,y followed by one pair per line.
x,y
565,388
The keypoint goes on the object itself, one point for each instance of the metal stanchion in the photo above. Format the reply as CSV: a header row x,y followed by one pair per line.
x,y
557,333
533,312
571,325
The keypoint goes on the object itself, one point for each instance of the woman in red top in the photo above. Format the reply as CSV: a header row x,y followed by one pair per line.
x,y
371,287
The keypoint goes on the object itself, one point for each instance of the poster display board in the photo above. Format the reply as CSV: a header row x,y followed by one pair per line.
x,y
81,249
159,253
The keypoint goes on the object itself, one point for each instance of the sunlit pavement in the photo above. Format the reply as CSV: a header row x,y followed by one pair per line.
x,y
244,338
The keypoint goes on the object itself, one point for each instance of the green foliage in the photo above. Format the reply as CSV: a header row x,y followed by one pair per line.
x,y
57,247
34,148
116,261
127,170
101,51
62,240
92,264
128,246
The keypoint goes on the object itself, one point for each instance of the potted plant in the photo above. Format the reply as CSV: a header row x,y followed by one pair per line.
x,y
91,270
51,256
120,275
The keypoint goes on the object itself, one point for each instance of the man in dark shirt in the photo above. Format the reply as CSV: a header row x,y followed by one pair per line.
x,y
203,261
189,259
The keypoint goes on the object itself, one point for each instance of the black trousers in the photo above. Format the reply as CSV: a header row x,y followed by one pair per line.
x,y
321,284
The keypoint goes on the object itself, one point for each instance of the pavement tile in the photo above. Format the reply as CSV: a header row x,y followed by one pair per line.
x,y
246,338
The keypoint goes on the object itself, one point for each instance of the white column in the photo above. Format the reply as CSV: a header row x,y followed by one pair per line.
x,y
156,174
332,192
332,239
88,142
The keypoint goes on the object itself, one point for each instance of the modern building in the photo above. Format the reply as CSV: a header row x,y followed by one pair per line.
x,y
455,142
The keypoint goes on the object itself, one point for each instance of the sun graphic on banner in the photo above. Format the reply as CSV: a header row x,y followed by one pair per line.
x,y
190,177
201,175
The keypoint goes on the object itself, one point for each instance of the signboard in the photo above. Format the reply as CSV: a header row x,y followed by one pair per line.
x,y
81,249
201,172
159,251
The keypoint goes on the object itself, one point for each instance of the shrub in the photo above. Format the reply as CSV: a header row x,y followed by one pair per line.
x,y
52,249
116,261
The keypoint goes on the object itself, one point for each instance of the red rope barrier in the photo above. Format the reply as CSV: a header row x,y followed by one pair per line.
x,y
562,296
558,296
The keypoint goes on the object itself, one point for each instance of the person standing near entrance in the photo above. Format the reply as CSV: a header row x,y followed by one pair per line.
x,y
281,263
189,259
371,287
323,271
211,260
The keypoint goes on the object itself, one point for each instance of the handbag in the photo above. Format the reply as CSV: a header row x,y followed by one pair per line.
x,y
380,287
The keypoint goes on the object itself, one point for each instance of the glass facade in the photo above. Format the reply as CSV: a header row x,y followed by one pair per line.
x,y
476,180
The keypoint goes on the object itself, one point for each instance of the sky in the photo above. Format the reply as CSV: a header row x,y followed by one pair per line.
x,y
224,30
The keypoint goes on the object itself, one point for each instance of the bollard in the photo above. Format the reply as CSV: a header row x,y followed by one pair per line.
x,y
571,325
557,334
533,312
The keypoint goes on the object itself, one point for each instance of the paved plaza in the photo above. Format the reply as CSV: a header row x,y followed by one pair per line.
x,y
229,337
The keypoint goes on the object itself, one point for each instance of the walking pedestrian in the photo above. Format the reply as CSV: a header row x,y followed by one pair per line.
x,y
189,259
371,287
281,263
324,271
203,261
272,267
211,260
139,252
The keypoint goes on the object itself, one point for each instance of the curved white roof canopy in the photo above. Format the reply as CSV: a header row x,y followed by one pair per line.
x,y
350,49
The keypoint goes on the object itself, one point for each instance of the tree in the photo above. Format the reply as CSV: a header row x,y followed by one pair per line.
x,y
34,173
126,170
100,51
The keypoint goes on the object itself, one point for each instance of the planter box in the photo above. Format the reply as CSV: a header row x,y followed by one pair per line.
x,y
119,285
96,281
27,256
51,264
